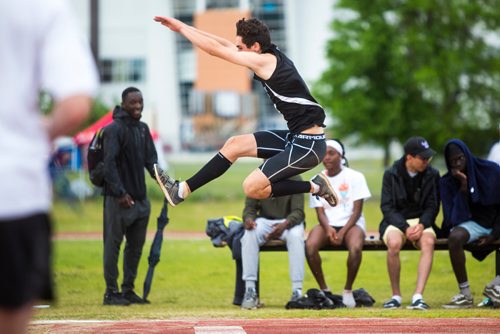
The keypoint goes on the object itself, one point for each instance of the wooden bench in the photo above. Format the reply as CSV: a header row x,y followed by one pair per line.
x,y
372,243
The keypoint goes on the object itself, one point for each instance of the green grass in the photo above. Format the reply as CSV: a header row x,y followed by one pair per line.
x,y
221,197
194,279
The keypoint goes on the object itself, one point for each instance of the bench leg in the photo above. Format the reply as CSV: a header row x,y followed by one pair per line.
x,y
239,286
239,283
497,266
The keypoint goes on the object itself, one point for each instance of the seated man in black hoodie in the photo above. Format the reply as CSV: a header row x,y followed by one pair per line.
x,y
470,193
410,204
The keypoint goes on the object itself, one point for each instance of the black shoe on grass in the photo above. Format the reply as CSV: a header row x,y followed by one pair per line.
x,y
114,298
133,298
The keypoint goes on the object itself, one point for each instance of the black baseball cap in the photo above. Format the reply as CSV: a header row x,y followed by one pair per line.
x,y
418,146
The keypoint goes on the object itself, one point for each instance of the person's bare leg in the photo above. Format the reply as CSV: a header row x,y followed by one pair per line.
x,y
15,321
239,146
234,148
426,245
394,243
315,240
353,239
257,185
456,241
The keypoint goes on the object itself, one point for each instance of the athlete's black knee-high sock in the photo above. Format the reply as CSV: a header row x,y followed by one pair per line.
x,y
212,170
289,187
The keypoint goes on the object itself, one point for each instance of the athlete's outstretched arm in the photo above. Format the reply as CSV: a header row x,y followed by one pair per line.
x,y
214,45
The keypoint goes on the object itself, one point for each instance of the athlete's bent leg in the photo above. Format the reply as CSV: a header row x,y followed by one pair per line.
x,y
257,185
239,146
234,148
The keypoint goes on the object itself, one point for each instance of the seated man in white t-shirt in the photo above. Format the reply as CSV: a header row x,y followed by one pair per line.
x,y
342,224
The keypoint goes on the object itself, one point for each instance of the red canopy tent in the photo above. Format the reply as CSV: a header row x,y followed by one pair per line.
x,y
84,137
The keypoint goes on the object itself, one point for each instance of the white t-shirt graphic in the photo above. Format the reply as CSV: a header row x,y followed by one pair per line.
x,y
350,186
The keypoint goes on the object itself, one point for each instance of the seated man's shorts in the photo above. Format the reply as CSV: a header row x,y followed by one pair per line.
x,y
411,222
475,230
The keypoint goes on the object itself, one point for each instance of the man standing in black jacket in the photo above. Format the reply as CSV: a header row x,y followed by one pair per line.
x,y
128,149
410,204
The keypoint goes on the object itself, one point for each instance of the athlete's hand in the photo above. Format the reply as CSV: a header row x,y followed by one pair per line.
x,y
169,22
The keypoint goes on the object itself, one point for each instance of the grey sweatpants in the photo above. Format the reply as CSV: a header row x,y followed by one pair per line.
x,y
252,239
119,222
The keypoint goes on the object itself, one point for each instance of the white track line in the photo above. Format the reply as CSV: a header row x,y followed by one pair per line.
x,y
218,330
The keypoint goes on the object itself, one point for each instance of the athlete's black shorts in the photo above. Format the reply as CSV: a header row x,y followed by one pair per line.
x,y
25,260
288,154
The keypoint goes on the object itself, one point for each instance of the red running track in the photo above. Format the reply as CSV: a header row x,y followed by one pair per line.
x,y
274,326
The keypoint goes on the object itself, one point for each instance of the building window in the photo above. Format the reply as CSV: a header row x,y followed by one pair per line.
x,y
213,4
123,70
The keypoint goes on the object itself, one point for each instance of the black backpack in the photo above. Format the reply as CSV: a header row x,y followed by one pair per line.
x,y
95,156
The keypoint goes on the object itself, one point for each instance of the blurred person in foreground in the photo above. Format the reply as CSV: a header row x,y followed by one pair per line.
x,y
470,193
41,51
410,204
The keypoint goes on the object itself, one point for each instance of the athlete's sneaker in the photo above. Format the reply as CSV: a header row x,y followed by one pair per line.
x,y
296,294
460,301
392,304
419,304
492,292
168,185
250,300
486,302
325,189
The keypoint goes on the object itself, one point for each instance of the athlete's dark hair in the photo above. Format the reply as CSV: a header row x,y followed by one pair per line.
x,y
128,90
253,30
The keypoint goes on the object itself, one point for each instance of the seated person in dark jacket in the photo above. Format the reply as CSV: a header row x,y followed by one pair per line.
x,y
410,204
273,218
470,193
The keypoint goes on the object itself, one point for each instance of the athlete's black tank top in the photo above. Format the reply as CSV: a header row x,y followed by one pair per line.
x,y
290,95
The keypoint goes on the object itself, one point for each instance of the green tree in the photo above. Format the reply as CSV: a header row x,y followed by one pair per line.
x,y
400,68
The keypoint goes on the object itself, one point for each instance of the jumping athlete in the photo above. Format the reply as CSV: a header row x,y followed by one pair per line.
x,y
288,152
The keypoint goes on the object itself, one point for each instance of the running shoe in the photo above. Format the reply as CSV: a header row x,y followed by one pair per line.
x,y
115,298
492,292
325,189
133,298
250,300
419,304
296,294
460,301
168,185
486,302
392,304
